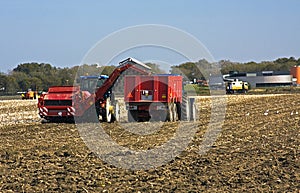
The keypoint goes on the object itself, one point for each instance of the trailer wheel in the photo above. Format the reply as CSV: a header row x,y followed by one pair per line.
x,y
171,114
185,109
175,115
116,115
132,116
178,108
194,112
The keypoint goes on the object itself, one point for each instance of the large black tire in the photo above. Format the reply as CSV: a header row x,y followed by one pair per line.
x,y
178,107
109,114
185,109
103,115
97,106
159,115
175,114
194,112
116,115
172,112
132,116
89,116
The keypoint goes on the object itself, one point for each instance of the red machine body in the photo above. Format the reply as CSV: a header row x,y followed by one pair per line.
x,y
155,88
157,97
57,102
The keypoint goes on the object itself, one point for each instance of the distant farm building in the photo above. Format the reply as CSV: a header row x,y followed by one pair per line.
x,y
262,79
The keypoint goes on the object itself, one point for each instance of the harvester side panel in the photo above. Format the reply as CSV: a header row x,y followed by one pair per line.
x,y
63,89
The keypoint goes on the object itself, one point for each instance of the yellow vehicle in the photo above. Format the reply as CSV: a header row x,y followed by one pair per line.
x,y
236,86
29,94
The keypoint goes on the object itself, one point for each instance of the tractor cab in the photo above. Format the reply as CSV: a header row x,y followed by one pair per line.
x,y
91,83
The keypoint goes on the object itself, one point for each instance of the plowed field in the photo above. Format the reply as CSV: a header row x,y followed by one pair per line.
x,y
257,150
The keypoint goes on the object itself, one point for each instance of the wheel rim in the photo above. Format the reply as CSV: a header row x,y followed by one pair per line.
x,y
117,111
171,112
108,111
175,116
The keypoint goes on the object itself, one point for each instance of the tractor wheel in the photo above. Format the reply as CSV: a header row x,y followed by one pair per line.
x,y
175,115
97,107
116,113
178,108
109,111
170,112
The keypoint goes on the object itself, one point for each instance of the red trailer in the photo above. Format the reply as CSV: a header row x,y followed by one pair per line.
x,y
153,97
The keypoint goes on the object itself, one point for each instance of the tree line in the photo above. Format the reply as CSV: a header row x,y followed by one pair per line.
x,y
40,76
280,64
203,69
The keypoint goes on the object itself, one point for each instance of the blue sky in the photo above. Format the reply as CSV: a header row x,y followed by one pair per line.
x,y
62,32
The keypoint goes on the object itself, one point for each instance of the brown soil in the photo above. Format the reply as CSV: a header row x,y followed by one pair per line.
x,y
254,152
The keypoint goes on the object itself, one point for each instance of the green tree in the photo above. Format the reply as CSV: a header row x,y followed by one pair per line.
x,y
12,85
3,83
280,64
